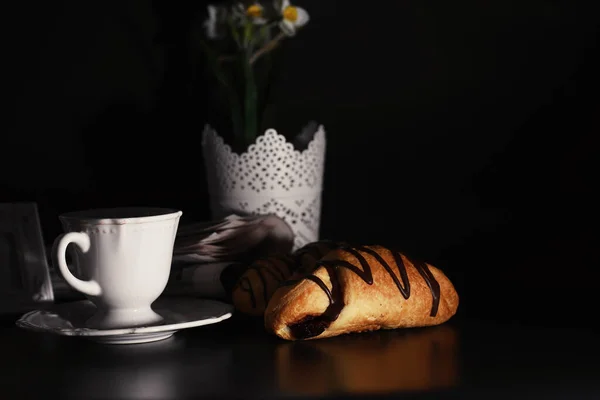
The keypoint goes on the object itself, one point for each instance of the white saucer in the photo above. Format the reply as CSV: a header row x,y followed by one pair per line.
x,y
68,319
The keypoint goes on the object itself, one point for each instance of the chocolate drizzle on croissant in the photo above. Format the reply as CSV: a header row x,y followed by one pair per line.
x,y
312,326
279,271
314,251
267,273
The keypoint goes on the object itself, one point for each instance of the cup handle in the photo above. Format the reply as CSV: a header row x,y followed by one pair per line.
x,y
82,240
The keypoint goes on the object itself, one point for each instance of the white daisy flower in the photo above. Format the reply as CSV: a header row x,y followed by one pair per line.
x,y
292,18
255,13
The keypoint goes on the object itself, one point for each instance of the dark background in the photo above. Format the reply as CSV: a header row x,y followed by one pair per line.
x,y
463,132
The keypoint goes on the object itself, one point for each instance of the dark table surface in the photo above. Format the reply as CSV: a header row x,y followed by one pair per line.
x,y
237,359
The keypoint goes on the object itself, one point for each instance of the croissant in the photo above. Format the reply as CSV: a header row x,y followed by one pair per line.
x,y
256,285
356,289
307,256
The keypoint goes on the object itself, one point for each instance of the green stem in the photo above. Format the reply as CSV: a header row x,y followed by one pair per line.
x,y
248,35
234,32
265,31
236,111
268,47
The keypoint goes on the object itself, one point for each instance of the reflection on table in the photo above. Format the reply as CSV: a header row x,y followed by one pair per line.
x,y
158,370
400,360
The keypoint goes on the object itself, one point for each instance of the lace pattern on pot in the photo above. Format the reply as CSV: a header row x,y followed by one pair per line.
x,y
271,177
270,165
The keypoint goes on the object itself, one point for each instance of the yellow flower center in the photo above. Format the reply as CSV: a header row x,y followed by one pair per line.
x,y
254,11
290,13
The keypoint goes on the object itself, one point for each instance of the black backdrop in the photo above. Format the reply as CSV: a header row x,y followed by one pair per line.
x,y
463,132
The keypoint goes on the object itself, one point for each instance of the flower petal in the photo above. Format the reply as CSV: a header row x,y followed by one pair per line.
x,y
255,13
285,4
210,30
210,24
302,18
212,12
287,27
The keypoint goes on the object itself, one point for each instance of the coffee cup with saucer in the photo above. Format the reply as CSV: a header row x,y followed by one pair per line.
x,y
123,257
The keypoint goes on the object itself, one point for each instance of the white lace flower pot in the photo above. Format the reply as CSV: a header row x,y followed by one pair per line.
x,y
271,177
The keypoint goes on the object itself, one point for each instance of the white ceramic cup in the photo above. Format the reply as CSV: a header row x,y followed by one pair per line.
x,y
123,257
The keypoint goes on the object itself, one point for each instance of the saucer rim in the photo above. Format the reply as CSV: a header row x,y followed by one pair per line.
x,y
23,322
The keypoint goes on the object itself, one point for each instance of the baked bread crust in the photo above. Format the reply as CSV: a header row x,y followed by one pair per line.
x,y
335,299
257,284
307,256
